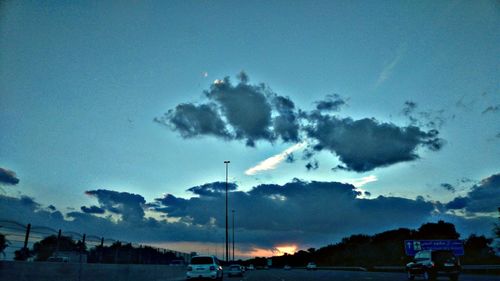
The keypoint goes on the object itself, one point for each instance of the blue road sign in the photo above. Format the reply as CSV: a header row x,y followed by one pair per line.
x,y
413,246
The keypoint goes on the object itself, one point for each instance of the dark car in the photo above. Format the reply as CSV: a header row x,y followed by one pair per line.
x,y
431,264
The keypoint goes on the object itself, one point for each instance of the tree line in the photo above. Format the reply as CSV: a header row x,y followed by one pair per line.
x,y
118,252
386,248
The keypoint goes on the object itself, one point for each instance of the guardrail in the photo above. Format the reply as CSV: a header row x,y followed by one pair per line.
x,y
467,268
487,268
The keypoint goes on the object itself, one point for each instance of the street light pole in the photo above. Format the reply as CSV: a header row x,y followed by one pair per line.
x,y
233,235
227,232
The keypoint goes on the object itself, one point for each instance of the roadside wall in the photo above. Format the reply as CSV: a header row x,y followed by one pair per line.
x,y
53,271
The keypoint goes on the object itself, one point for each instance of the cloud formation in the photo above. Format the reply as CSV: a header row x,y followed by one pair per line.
x,y
331,103
236,112
298,212
492,109
253,112
128,205
8,177
92,210
273,161
365,144
483,197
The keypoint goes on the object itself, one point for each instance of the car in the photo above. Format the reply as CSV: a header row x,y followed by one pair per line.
x,y
205,267
287,267
432,263
251,267
235,270
58,259
311,266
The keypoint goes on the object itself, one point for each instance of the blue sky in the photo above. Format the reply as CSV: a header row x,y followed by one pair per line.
x,y
82,81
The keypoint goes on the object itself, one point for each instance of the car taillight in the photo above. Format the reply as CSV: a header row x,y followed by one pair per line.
x,y
432,264
212,268
190,268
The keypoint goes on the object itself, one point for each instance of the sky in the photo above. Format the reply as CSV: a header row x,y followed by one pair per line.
x,y
334,114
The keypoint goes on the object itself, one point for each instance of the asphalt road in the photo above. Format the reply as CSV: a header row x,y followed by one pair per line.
x,y
334,275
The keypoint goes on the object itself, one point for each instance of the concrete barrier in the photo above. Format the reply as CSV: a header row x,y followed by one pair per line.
x,y
54,271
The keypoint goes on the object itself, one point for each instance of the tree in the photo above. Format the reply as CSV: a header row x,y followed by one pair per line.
x,y
46,247
439,230
3,244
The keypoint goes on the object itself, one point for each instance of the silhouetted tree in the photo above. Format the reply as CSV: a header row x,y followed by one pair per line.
x,y
46,247
3,244
439,230
478,250
22,254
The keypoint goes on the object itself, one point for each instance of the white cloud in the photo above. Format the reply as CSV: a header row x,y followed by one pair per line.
x,y
387,70
359,182
272,162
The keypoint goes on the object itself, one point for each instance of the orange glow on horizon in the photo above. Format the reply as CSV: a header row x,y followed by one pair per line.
x,y
218,249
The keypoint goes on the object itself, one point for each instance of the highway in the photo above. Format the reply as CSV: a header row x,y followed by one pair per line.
x,y
334,275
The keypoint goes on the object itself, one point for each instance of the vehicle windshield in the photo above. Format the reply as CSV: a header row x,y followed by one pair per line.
x,y
202,260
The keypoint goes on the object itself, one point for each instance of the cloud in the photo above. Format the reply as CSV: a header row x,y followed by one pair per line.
x,y
483,197
298,212
191,120
236,112
491,109
272,162
360,182
312,165
365,144
331,103
212,189
92,210
253,112
432,119
448,187
8,177
128,205
389,67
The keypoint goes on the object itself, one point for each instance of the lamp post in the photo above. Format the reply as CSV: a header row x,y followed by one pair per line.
x,y
227,232
233,234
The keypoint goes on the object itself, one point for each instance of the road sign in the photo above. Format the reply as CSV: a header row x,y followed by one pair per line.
x,y
413,246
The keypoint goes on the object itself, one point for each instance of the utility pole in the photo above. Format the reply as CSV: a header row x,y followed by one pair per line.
x,y
227,232
233,235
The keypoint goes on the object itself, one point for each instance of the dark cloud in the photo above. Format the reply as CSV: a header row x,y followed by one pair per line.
x,y
365,144
290,158
482,198
285,125
212,189
240,111
331,103
52,207
8,177
409,108
448,187
191,121
92,210
268,214
128,205
253,112
312,165
299,210
431,119
492,109
457,203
